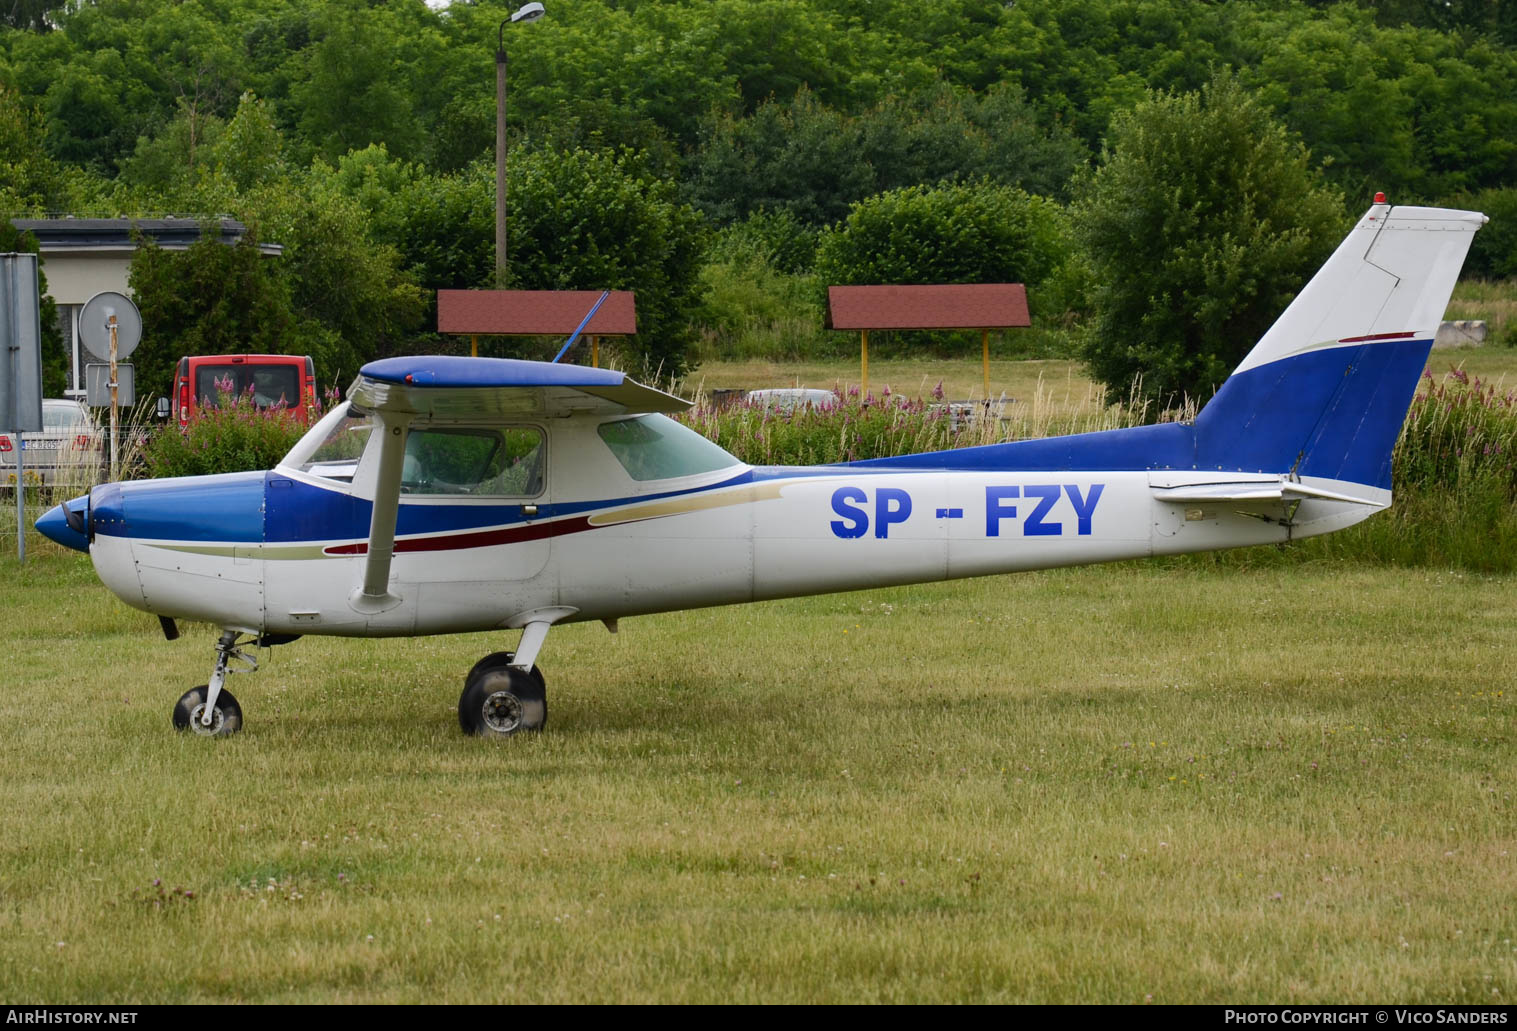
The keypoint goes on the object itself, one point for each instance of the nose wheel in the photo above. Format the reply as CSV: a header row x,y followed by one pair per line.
x,y
189,713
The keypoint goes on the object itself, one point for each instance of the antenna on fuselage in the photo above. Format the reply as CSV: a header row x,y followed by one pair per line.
x,y
582,324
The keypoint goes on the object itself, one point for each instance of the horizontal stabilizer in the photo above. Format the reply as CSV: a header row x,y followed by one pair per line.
x,y
1280,490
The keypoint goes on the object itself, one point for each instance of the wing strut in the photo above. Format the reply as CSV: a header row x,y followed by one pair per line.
x,y
374,595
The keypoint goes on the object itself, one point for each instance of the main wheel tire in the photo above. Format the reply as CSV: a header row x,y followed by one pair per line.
x,y
500,660
226,718
501,702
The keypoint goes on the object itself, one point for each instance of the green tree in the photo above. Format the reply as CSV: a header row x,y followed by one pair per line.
x,y
31,14
349,297
350,96
1202,221
1493,255
951,233
250,151
595,221
813,161
30,181
210,298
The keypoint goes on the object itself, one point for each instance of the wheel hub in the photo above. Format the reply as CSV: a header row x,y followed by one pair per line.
x,y
218,720
502,712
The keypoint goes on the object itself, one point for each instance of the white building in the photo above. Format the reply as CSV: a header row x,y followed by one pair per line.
x,y
82,257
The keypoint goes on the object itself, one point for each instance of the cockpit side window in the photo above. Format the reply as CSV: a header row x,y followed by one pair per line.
x,y
654,447
492,461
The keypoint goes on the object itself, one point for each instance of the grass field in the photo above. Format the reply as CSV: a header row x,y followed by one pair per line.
x,y
1063,381
1153,781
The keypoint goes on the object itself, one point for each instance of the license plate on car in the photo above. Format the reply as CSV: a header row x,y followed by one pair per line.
x,y
40,445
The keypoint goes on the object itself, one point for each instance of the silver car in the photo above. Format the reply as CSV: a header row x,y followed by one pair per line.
x,y
68,450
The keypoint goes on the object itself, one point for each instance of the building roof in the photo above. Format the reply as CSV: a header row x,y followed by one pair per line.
x,y
82,235
534,312
953,306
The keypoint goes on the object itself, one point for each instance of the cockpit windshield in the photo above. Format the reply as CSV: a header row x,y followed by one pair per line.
x,y
334,445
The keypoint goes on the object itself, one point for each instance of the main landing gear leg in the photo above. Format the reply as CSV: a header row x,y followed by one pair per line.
x,y
505,692
209,709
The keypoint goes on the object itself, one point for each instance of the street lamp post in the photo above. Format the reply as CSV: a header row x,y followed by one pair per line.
x,y
526,13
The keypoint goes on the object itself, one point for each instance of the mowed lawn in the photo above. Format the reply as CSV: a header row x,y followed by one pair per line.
x,y
1166,781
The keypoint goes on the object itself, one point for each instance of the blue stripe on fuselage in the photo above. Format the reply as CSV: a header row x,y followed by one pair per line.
x,y
1337,411
303,512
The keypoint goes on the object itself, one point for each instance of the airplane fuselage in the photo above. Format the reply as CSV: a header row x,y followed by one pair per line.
x,y
281,552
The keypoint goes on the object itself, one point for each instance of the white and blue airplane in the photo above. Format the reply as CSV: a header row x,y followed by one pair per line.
x,y
456,495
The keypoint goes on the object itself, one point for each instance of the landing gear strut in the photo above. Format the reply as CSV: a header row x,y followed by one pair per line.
x,y
209,710
505,693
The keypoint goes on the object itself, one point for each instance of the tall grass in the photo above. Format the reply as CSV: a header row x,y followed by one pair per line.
x,y
234,436
851,428
1454,473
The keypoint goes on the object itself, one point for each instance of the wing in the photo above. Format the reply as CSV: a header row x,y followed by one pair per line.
x,y
489,387
399,390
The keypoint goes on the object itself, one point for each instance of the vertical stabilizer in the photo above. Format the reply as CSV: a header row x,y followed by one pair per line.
x,y
1324,392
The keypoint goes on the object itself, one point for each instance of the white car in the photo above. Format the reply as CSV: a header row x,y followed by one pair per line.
x,y
68,449
790,399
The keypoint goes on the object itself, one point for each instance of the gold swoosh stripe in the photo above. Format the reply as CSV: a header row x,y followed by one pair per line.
x,y
689,503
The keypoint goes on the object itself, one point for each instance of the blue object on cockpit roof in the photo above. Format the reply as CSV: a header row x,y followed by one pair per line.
x,y
455,371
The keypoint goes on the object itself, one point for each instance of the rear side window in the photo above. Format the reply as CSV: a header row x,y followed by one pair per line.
x,y
495,461
653,447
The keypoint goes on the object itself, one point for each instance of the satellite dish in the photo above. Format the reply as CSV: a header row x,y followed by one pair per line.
x,y
95,329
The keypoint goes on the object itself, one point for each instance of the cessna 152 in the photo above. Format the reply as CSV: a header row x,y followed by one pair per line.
x,y
451,495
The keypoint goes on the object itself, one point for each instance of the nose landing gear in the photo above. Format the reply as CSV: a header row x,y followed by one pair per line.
x,y
209,710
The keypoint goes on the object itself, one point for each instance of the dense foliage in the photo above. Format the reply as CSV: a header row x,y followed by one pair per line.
x,y
955,233
360,137
235,436
1200,225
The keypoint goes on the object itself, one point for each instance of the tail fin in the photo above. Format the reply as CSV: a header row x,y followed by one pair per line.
x,y
1324,392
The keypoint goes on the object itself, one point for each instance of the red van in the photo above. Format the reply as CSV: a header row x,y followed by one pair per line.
x,y
273,380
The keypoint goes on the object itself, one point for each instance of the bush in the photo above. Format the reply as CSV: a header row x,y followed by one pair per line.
x,y
757,300
1493,255
1203,221
958,233
234,437
961,233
